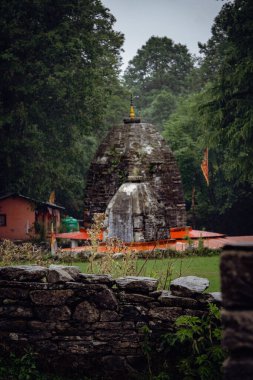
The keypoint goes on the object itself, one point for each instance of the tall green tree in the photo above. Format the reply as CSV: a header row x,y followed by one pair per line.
x,y
161,107
159,64
57,59
159,69
220,117
228,113
184,131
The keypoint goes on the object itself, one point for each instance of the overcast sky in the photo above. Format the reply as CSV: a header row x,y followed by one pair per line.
x,y
184,21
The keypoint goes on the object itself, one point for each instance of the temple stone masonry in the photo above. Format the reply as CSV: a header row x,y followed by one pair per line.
x,y
135,181
237,315
91,325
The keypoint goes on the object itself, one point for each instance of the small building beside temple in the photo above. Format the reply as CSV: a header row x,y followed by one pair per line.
x,y
135,181
23,218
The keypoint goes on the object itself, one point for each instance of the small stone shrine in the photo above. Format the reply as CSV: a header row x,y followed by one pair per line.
x,y
135,181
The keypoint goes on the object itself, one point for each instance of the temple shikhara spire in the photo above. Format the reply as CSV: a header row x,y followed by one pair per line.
x,y
134,180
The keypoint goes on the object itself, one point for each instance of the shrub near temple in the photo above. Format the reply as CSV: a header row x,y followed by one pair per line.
x,y
195,347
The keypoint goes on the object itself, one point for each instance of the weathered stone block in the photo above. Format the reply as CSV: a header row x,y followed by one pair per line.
x,y
105,300
237,276
156,294
168,299
83,289
23,273
238,330
12,284
56,275
238,368
50,297
169,314
16,311
107,326
108,335
66,327
216,297
46,347
137,362
75,347
188,286
86,312
14,293
60,313
141,284
109,316
41,326
13,325
73,271
134,298
195,313
97,279
17,337
114,363
131,313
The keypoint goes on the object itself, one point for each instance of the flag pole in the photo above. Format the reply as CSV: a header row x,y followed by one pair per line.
x,y
204,166
53,241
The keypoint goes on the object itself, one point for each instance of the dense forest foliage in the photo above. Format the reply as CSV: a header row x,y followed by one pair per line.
x,y
206,103
59,62
60,91
220,116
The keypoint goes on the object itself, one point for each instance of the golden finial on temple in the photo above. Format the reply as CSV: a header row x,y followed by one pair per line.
x,y
132,118
132,113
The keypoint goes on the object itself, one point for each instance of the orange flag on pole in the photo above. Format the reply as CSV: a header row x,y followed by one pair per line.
x,y
204,166
52,197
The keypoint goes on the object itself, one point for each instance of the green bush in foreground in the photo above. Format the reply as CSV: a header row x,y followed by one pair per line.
x,y
194,350
13,367
19,368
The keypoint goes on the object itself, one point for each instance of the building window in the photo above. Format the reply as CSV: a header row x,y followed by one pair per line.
x,y
2,220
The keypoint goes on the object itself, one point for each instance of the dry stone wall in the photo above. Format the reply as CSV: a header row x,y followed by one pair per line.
x,y
237,315
90,324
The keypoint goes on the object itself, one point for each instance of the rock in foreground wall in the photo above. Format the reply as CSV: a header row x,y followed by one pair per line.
x,y
90,324
237,316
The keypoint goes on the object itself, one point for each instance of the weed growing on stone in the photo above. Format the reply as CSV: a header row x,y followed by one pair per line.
x,y
147,349
196,347
28,253
118,260
23,367
94,231
11,253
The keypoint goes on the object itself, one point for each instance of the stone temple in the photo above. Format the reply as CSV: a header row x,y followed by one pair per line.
x,y
135,181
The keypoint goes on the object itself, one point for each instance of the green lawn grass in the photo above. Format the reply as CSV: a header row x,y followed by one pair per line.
x,y
207,267
168,269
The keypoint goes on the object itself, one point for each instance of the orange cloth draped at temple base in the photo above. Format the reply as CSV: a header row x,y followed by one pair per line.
x,y
204,166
